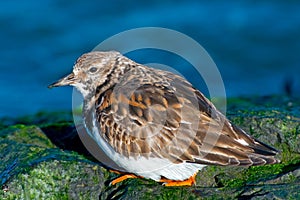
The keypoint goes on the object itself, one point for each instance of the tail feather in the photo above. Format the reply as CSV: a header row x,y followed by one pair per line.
x,y
262,153
262,160
263,149
256,153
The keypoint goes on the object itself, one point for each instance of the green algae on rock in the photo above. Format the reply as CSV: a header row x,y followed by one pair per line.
x,y
34,168
39,160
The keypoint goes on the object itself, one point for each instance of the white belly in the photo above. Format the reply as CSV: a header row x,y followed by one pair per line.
x,y
152,168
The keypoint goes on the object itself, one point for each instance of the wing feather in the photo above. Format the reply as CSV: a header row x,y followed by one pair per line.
x,y
175,121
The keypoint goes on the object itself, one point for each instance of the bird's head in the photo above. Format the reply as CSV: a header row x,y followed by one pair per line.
x,y
90,71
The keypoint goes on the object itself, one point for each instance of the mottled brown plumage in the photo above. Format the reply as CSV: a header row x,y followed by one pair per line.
x,y
145,113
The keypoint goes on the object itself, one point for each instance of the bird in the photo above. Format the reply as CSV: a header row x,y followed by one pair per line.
x,y
155,124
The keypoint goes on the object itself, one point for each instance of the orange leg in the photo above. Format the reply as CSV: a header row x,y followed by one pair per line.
x,y
188,182
122,178
116,171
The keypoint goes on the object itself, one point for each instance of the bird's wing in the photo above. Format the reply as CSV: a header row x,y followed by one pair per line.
x,y
173,120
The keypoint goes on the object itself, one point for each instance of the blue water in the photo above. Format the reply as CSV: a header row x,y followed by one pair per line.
x,y
255,44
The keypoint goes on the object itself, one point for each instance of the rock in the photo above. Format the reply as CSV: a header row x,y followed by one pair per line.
x,y
34,168
42,157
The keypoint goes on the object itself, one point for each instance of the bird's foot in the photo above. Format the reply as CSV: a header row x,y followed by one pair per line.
x,y
188,182
123,178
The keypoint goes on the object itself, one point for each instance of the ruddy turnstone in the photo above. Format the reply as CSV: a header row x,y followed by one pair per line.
x,y
155,124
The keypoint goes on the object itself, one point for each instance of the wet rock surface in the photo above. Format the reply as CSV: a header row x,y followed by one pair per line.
x,y
42,157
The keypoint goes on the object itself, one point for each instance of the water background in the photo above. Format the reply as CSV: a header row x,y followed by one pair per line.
x,y
255,44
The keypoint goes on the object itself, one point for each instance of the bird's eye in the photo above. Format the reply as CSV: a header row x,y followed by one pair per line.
x,y
93,69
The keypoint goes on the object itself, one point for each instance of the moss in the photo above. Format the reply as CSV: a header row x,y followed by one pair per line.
x,y
56,180
29,135
254,175
144,189
173,193
27,155
43,160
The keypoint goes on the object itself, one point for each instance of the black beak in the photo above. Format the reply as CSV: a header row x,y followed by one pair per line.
x,y
68,80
